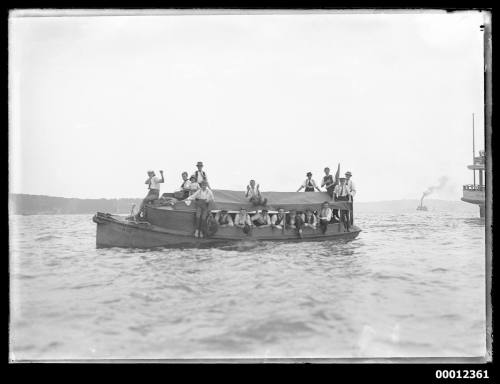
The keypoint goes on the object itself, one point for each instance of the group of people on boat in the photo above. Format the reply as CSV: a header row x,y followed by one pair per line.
x,y
197,189
341,189
293,219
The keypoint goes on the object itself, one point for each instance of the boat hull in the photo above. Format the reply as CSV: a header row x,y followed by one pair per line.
x,y
116,231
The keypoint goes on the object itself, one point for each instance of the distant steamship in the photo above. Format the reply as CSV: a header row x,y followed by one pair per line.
x,y
475,193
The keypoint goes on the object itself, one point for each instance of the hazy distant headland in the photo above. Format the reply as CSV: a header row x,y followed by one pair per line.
x,y
409,205
22,204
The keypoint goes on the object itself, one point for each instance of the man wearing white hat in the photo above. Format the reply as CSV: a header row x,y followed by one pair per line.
x,y
350,184
153,183
352,189
342,193
200,174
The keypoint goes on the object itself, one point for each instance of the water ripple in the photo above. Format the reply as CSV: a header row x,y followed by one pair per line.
x,y
409,285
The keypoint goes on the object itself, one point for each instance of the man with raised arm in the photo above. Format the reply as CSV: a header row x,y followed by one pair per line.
x,y
253,194
153,183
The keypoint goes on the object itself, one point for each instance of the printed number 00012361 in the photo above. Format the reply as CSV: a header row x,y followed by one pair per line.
x,y
461,374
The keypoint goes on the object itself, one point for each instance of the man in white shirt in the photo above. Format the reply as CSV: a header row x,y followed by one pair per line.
x,y
324,216
278,220
352,188
202,198
350,184
153,183
262,219
242,220
253,194
309,184
310,219
343,193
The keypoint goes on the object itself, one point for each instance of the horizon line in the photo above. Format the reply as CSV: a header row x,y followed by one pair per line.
x,y
140,198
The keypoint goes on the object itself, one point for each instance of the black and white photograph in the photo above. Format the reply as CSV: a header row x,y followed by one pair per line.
x,y
249,185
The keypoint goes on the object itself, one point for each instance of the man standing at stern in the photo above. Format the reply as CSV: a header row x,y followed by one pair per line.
x,y
352,189
342,193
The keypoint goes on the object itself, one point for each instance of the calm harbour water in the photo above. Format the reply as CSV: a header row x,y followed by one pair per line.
x,y
412,284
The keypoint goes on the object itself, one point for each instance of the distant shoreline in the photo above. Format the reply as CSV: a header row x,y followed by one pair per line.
x,y
25,204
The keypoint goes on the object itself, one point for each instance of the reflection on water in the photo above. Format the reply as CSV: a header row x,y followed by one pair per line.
x,y
412,284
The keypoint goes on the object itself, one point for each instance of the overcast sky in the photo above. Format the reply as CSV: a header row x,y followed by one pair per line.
x,y
97,101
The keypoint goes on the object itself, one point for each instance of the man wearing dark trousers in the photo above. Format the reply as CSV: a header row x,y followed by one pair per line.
x,y
352,190
202,198
342,193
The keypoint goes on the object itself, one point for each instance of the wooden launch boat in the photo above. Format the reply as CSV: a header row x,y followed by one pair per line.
x,y
172,224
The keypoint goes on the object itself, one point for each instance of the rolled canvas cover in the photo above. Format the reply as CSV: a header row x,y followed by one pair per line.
x,y
234,200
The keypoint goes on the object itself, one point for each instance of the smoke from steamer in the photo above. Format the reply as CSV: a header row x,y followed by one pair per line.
x,y
441,184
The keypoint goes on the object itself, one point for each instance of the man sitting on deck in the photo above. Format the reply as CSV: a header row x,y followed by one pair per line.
x,y
184,190
202,198
242,220
261,219
342,193
193,185
298,221
154,190
310,220
253,194
278,220
290,218
309,184
224,219
325,215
